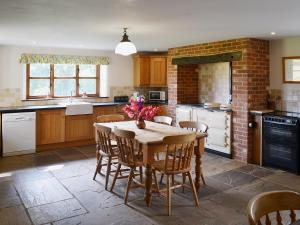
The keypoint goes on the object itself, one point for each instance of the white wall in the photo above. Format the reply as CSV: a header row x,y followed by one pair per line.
x,y
120,69
290,93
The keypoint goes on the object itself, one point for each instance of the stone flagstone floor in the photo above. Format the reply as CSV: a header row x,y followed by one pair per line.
x,y
56,187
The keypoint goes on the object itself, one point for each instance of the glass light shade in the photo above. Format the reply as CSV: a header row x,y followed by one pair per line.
x,y
125,48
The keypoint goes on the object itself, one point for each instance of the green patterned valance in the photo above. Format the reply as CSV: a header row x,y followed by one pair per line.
x,y
63,59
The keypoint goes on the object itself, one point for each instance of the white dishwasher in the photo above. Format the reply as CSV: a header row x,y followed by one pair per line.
x,y
18,133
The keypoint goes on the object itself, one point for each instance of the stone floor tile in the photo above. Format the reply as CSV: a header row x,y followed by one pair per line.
x,y
70,154
8,195
237,198
285,179
110,216
55,211
84,183
34,193
234,178
256,171
88,151
74,169
93,200
14,216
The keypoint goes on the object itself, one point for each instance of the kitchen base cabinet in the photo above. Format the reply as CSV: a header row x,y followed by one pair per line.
x,y
50,126
79,127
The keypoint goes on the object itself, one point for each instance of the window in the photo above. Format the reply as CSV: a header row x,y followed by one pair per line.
x,y
61,80
291,69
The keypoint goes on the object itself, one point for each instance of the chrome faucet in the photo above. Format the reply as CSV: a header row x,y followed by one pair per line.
x,y
71,97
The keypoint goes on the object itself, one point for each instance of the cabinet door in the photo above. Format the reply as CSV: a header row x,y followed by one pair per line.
x,y
141,71
158,71
50,126
79,128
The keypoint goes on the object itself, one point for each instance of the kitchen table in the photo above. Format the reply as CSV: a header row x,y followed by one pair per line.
x,y
151,140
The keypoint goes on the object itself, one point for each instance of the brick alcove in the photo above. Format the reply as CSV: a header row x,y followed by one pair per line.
x,y
250,79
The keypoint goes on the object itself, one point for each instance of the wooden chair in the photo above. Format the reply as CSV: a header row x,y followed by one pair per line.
x,y
110,118
179,151
105,150
130,157
197,127
274,201
163,119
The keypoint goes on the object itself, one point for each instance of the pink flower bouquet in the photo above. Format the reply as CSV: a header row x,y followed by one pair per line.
x,y
136,109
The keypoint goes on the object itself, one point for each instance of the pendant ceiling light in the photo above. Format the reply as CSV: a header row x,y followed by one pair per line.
x,y
125,47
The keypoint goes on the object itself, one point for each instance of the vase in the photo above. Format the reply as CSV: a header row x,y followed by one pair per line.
x,y
140,123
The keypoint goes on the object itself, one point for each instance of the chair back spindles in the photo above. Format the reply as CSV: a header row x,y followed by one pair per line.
x,y
293,216
163,119
268,221
194,126
179,152
104,139
126,146
278,218
273,202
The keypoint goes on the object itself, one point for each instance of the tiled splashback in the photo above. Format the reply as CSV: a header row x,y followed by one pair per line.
x,y
288,98
214,82
12,96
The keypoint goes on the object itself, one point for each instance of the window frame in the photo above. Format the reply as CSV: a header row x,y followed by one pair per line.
x,y
52,78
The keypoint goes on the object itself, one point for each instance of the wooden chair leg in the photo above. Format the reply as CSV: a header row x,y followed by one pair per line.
x,y
141,174
193,189
202,178
130,177
115,177
155,181
98,167
161,178
107,172
169,195
183,181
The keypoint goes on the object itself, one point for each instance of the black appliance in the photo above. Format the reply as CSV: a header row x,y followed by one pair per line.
x,y
121,99
281,140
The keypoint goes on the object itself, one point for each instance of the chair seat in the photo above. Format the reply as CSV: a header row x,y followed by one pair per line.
x,y
114,149
160,166
138,162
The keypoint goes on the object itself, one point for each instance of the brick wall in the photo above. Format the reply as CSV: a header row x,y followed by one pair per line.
x,y
250,78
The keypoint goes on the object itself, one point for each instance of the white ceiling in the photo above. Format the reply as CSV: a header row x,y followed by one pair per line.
x,y
161,24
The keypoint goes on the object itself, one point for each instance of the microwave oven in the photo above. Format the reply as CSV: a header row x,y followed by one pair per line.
x,y
157,96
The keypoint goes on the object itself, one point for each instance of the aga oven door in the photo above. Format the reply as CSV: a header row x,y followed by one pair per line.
x,y
281,146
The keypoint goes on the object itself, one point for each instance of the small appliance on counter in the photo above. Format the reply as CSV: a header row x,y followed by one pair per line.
x,y
121,99
157,96
281,140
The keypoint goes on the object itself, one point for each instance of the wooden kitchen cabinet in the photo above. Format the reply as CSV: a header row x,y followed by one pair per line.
x,y
79,128
50,126
158,71
141,71
150,70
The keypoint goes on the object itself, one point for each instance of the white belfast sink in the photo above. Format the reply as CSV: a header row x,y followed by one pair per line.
x,y
78,108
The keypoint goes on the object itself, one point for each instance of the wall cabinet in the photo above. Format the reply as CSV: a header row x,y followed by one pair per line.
x,y
50,126
150,71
